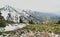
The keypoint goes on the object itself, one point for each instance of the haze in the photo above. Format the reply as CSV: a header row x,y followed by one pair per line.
x,y
52,6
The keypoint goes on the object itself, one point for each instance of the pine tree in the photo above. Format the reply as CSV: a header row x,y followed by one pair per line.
x,y
58,22
2,21
31,22
21,21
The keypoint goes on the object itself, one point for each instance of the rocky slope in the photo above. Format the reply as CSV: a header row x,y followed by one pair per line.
x,y
14,14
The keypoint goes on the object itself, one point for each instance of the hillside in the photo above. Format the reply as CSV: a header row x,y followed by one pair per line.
x,y
26,15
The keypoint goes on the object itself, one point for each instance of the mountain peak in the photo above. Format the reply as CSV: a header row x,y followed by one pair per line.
x,y
7,8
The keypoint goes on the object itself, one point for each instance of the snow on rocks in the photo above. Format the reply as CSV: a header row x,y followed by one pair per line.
x,y
14,27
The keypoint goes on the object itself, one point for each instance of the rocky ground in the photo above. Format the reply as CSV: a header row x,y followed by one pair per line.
x,y
32,34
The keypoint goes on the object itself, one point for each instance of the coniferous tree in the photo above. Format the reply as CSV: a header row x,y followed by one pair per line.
x,y
2,21
21,21
58,22
31,22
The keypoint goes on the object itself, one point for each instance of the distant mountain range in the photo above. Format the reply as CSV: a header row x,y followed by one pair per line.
x,y
26,15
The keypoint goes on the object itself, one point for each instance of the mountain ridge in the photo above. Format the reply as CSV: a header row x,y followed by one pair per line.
x,y
28,14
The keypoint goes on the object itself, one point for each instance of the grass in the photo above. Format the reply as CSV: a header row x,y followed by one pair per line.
x,y
44,27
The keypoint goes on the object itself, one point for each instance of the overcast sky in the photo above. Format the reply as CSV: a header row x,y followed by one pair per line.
x,y
37,5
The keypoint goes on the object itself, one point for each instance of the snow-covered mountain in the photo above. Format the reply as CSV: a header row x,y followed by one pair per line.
x,y
14,14
9,13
